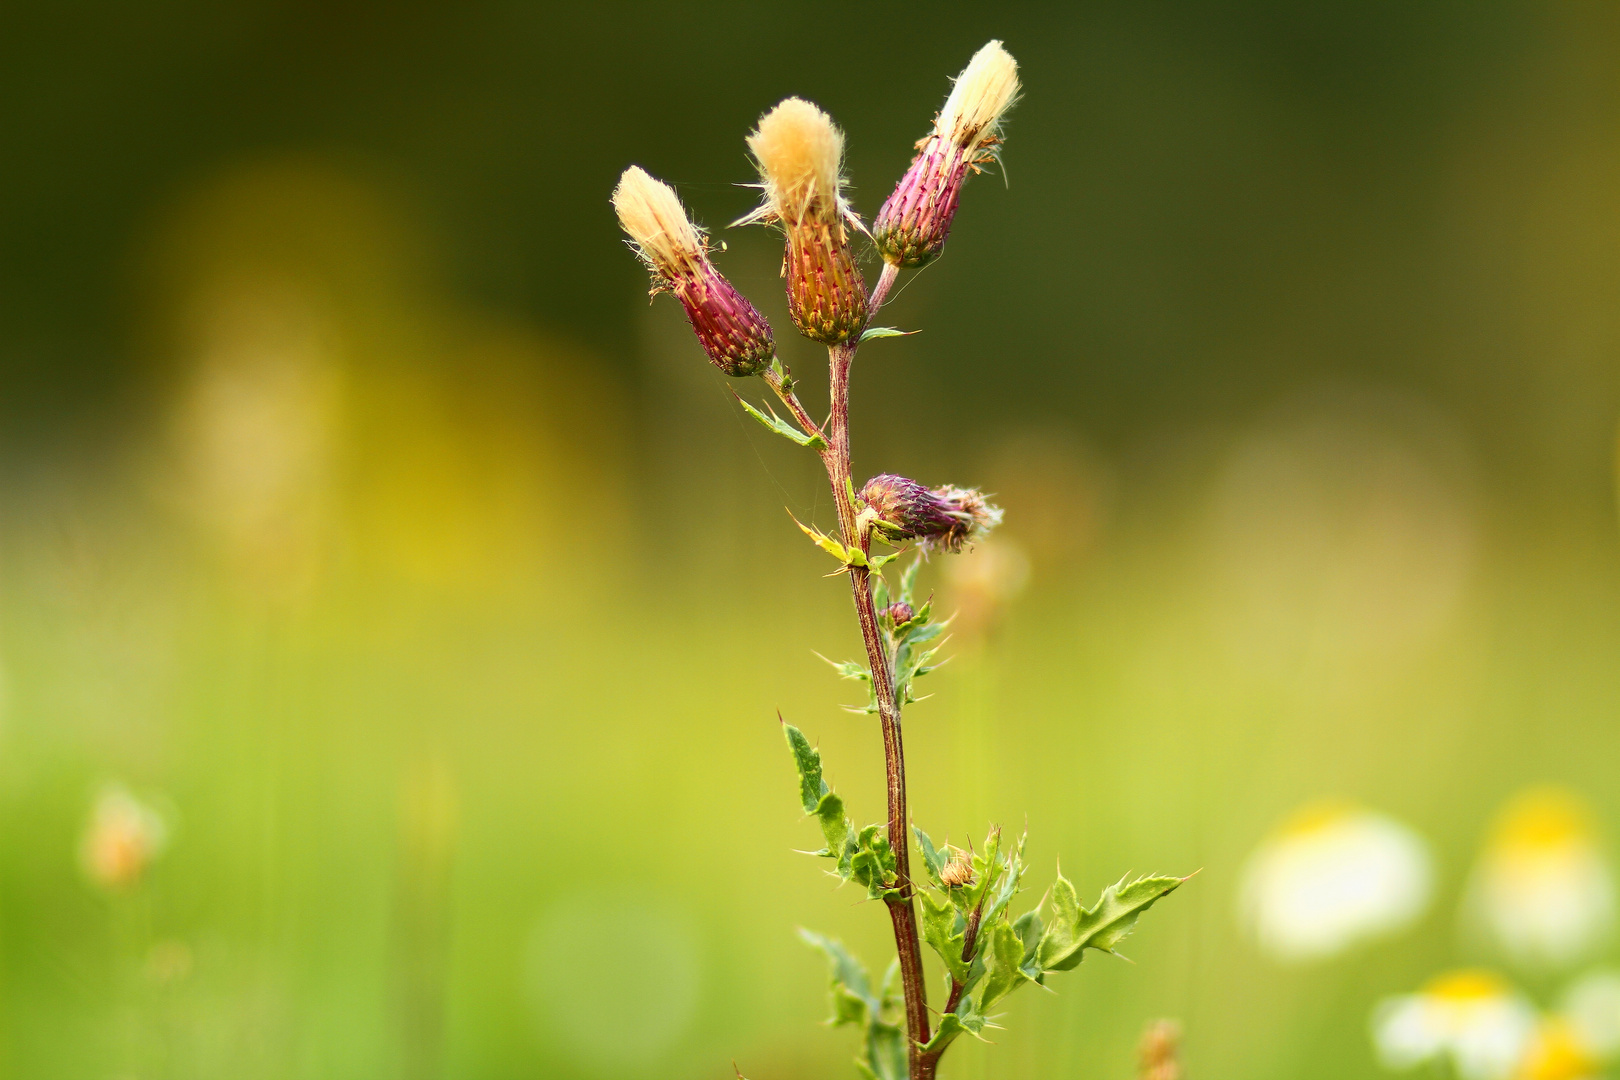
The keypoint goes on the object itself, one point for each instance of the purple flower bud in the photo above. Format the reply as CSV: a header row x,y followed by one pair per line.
x,y
911,227
898,614
942,518
736,337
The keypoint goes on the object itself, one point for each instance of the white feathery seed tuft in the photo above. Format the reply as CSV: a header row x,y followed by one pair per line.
x,y
800,154
983,93
651,213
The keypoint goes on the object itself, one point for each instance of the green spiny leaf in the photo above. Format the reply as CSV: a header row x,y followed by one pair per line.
x,y
1074,929
884,331
852,999
933,861
834,824
945,932
824,542
782,427
807,759
966,1020
1004,962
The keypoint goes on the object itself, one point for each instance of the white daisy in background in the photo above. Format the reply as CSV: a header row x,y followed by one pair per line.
x,y
123,838
1543,888
1591,1008
1474,1019
1333,876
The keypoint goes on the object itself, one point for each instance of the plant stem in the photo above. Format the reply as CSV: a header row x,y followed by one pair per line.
x,y
835,457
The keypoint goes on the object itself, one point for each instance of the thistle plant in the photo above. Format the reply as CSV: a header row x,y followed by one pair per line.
x,y
961,905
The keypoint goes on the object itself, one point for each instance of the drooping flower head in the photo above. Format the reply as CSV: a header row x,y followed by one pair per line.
x,y
735,335
939,518
800,155
911,228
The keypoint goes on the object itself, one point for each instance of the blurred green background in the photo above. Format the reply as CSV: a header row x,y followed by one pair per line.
x,y
359,515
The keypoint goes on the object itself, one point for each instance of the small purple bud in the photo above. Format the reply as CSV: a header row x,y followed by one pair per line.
x,y
942,518
897,614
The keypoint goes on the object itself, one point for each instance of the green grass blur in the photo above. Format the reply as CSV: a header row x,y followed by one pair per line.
x,y
358,513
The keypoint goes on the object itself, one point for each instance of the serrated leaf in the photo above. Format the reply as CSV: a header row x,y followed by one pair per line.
x,y
834,824
933,861
823,541
885,1052
945,932
1074,929
966,1020
883,1047
807,759
883,332
1004,962
1028,927
852,999
782,427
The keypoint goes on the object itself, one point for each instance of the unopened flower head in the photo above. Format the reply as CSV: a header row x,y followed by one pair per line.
x,y
1473,1018
898,614
735,335
1543,887
123,838
939,518
1332,877
957,873
800,154
915,220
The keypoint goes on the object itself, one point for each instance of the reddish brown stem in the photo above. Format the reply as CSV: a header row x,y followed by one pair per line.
x,y
835,457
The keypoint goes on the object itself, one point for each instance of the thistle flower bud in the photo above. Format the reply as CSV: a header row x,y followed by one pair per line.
x,y
942,518
897,614
914,221
736,337
958,872
800,154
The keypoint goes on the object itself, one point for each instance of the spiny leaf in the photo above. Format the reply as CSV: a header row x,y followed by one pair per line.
x,y
883,1048
884,331
834,824
966,1020
807,759
824,542
945,932
1004,963
780,426
1074,929
933,861
852,998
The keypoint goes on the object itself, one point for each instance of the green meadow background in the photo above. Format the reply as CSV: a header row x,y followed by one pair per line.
x,y
358,513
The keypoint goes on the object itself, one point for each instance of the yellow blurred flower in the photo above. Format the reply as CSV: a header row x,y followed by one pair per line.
x,y
1331,877
1473,1018
123,837
1558,1052
1543,888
